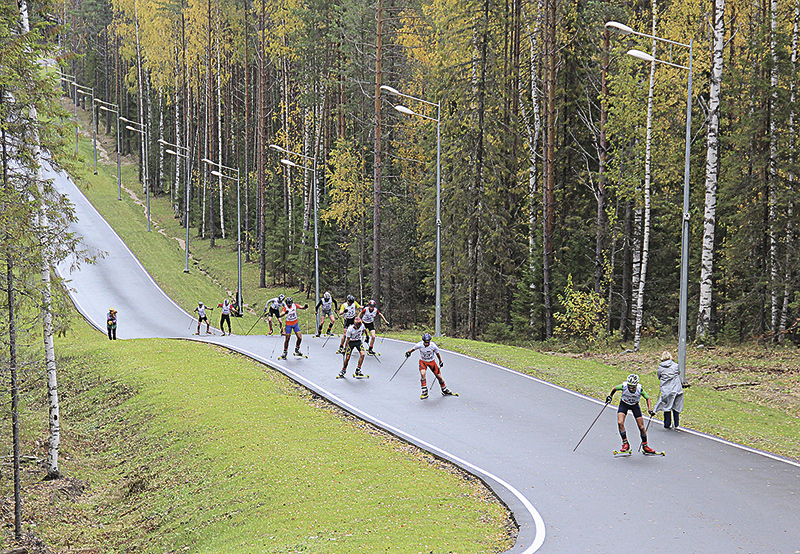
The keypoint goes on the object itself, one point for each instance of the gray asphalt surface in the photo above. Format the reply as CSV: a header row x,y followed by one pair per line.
x,y
514,432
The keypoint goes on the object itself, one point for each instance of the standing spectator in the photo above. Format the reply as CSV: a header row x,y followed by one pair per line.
x,y
111,324
671,399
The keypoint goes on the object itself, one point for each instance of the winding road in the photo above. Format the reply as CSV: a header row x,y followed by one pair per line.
x,y
515,432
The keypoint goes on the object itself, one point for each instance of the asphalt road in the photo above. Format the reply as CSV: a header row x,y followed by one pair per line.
x,y
515,432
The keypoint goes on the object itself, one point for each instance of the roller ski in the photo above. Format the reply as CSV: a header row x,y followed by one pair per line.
x,y
341,374
359,375
424,394
647,451
282,356
625,450
448,392
299,354
371,352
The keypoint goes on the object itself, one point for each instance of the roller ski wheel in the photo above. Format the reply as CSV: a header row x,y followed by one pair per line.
x,y
448,392
359,375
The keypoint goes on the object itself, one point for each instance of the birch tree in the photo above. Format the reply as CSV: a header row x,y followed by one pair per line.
x,y
712,173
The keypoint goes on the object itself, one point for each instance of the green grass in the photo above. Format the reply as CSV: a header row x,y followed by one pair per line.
x,y
187,447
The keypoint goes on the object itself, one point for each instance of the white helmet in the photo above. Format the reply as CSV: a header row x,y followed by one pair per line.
x,y
632,379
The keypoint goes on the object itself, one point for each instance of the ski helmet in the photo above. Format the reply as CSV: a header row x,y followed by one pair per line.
x,y
372,303
327,295
632,380
226,302
289,301
357,321
426,337
281,297
351,298
200,304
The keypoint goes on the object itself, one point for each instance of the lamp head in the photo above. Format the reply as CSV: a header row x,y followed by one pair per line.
x,y
641,55
618,27
404,110
390,90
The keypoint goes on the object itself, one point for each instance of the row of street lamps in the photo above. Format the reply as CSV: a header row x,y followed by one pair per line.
x,y
182,152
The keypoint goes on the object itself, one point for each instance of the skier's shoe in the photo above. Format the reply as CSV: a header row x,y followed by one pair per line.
x,y
424,394
448,392
340,350
330,333
223,333
282,356
297,352
646,449
358,373
270,332
341,374
371,351
317,336
625,447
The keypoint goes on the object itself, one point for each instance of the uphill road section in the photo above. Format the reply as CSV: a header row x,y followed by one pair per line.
x,y
514,432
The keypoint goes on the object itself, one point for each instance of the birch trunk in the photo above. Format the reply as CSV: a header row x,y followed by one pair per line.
x,y
773,167
787,290
378,165
637,335
219,136
47,314
712,174
534,133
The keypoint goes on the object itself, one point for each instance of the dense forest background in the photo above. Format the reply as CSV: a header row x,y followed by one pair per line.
x,y
562,158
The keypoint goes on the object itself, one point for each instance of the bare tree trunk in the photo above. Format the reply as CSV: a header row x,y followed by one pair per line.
x,y
637,336
534,133
246,133
599,250
787,289
773,167
548,196
378,165
712,175
260,145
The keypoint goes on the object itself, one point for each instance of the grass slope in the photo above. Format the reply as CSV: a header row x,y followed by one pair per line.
x,y
164,452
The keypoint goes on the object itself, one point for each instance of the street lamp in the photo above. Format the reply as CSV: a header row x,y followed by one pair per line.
x,y
109,107
89,91
438,120
183,152
238,221
684,292
289,163
70,80
142,130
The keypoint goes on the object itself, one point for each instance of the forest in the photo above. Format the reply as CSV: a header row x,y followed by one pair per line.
x,y
530,158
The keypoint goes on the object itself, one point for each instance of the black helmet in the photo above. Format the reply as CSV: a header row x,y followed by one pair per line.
x,y
289,301
281,297
351,298
426,337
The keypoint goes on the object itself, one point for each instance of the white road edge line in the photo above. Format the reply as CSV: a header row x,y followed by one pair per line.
x,y
537,518
599,403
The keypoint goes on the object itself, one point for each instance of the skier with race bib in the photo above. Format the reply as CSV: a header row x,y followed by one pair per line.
x,y
201,317
353,335
368,316
328,305
632,391
348,311
292,325
428,351
225,316
273,309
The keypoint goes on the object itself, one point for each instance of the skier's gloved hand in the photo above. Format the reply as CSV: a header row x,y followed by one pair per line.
x,y
608,399
651,412
305,307
408,354
441,364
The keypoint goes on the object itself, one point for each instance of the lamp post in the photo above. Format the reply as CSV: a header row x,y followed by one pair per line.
x,y
70,80
113,108
438,120
238,221
313,169
183,152
684,291
142,130
89,91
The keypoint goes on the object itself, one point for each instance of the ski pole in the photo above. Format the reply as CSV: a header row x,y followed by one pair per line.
x,y
590,427
398,369
646,427
258,318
